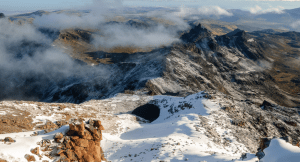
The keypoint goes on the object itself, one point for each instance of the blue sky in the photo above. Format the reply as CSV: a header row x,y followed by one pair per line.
x,y
32,5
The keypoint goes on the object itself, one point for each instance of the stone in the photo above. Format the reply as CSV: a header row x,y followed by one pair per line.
x,y
59,151
58,137
266,104
71,154
29,157
8,139
82,142
2,160
35,151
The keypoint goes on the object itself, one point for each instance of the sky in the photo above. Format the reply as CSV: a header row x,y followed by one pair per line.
x,y
9,6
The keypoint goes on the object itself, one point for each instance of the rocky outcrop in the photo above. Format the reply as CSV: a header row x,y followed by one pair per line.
x,y
7,140
81,142
195,34
48,126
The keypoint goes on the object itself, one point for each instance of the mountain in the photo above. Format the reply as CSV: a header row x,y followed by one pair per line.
x,y
217,93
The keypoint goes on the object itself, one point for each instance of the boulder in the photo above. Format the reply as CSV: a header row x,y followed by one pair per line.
x,y
8,139
29,157
81,142
35,151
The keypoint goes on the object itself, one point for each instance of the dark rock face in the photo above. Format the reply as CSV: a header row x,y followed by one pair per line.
x,y
195,34
239,39
266,104
149,112
2,15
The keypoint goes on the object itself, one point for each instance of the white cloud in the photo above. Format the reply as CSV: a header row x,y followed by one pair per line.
x,y
258,10
206,11
170,17
100,9
255,9
295,24
121,35
28,59
64,21
214,10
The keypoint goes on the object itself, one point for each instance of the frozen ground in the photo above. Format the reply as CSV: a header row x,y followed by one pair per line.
x,y
192,128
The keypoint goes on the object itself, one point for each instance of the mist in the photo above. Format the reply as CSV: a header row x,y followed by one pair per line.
x,y
296,24
124,35
258,10
32,68
30,65
203,11
148,35
65,21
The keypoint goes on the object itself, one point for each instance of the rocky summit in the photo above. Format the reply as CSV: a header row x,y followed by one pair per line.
x,y
165,88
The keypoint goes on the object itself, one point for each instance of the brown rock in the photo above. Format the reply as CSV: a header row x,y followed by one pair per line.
x,y
35,151
97,123
29,157
1,160
71,154
61,123
64,158
58,136
59,152
81,142
87,135
48,127
88,158
79,152
8,139
102,154
74,138
94,150
101,127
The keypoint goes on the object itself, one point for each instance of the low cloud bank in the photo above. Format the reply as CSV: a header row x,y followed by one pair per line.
x,y
203,11
30,65
121,35
258,10
296,24
150,34
66,21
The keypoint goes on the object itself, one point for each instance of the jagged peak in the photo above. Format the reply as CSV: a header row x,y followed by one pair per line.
x,y
236,32
197,32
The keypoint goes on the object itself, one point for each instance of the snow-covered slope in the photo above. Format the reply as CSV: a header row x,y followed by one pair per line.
x,y
192,128
178,134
